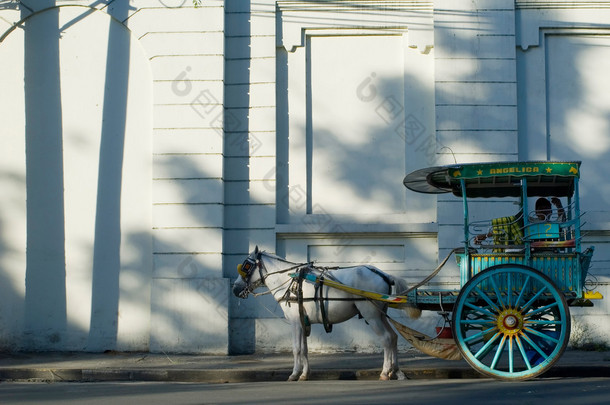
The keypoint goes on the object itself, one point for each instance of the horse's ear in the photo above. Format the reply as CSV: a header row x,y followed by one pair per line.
x,y
256,250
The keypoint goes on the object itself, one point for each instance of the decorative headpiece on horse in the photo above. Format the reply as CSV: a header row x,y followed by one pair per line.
x,y
247,267
242,288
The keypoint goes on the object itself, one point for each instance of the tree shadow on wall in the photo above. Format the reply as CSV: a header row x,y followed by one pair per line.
x,y
46,324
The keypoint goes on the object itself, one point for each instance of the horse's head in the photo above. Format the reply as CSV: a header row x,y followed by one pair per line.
x,y
250,275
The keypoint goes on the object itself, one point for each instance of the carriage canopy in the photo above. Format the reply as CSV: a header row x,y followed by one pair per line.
x,y
497,179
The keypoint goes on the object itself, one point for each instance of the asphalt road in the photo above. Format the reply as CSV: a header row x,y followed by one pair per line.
x,y
472,391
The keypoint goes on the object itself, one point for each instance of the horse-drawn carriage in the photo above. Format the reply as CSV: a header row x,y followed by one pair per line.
x,y
519,274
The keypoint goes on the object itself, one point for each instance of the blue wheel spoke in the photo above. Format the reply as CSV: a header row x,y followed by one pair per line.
x,y
488,300
510,354
494,362
541,335
479,335
486,346
534,298
543,322
484,311
508,291
535,346
476,322
542,309
523,355
498,295
523,289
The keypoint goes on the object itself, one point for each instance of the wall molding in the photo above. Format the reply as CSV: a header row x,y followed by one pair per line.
x,y
296,17
565,4
351,5
536,18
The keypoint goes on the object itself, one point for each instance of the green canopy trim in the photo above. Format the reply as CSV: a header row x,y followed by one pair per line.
x,y
516,169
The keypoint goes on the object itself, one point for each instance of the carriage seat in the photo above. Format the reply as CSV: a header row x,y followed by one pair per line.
x,y
551,235
560,244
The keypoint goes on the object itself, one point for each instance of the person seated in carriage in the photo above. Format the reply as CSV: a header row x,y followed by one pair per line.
x,y
544,210
550,231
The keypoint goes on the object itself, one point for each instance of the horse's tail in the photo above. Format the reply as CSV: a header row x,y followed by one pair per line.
x,y
400,287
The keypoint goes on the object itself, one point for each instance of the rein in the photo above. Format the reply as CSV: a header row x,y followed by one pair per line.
x,y
431,275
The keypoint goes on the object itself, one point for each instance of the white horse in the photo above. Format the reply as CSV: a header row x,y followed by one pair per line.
x,y
304,303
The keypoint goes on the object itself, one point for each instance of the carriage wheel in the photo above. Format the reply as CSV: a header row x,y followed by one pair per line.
x,y
511,322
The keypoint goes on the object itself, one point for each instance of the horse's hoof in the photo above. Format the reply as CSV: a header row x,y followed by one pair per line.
x,y
384,377
303,378
398,375
292,378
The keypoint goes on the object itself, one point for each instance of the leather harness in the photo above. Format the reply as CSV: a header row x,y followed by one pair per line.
x,y
294,293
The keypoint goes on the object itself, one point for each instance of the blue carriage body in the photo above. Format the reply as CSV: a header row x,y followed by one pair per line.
x,y
567,270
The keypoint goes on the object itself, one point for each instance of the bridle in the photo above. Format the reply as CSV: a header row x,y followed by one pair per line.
x,y
250,265
247,269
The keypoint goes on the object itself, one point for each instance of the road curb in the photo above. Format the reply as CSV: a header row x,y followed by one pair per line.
x,y
254,375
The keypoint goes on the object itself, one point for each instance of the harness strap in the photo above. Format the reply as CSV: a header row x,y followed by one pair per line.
x,y
328,327
384,276
319,295
310,299
304,318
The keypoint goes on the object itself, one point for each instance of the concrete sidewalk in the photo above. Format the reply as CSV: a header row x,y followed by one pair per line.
x,y
119,366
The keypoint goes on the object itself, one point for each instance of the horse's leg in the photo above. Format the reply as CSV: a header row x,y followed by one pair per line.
x,y
395,371
304,359
389,340
298,335
392,350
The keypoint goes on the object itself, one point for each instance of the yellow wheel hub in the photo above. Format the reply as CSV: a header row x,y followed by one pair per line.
x,y
510,321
